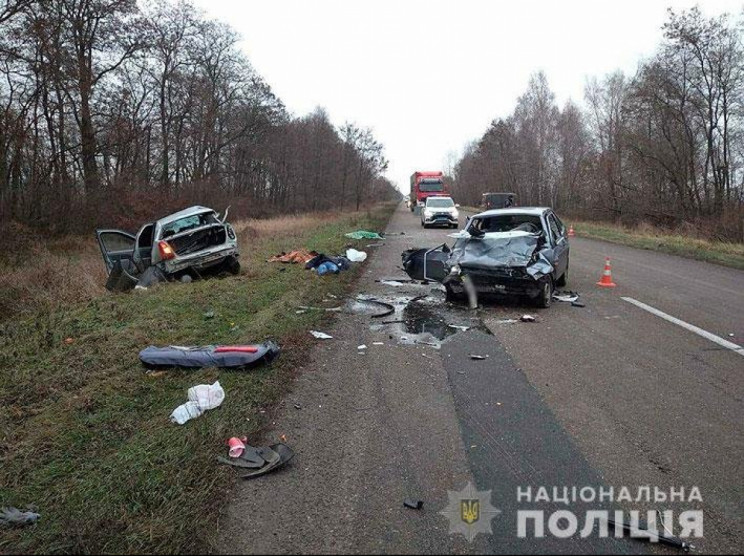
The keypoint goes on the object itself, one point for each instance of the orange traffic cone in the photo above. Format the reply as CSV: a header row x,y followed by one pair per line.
x,y
606,280
571,231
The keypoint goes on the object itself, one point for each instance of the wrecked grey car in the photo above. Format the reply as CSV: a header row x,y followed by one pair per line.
x,y
188,242
514,252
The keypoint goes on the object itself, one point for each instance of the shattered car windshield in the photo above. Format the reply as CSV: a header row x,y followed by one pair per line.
x,y
508,223
445,202
189,223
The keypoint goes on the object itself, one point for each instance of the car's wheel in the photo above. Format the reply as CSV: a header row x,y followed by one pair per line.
x,y
546,293
232,265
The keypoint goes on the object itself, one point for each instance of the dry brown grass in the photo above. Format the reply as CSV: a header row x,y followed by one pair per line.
x,y
41,273
282,225
38,273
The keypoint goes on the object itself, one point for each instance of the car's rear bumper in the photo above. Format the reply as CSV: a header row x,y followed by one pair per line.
x,y
201,260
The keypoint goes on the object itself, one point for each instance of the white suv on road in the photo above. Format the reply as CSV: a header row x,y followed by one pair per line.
x,y
440,211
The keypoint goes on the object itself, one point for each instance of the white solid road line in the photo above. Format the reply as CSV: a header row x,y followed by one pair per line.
x,y
686,325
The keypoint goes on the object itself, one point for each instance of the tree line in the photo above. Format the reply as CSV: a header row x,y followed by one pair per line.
x,y
113,110
665,145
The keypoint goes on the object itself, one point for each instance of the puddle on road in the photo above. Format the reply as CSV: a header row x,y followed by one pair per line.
x,y
425,320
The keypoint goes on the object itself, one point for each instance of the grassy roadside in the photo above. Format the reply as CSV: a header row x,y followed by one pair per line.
x,y
85,432
726,254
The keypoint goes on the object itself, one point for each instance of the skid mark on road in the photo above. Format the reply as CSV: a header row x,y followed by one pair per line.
x,y
687,326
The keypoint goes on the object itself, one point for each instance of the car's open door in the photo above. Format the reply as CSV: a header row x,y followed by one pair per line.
x,y
116,246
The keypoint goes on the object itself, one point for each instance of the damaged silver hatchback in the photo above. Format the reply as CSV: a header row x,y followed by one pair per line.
x,y
513,252
187,243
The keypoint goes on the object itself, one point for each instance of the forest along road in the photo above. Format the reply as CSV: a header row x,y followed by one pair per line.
x,y
606,395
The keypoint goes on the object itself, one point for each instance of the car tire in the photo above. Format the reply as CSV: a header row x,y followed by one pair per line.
x,y
231,265
545,297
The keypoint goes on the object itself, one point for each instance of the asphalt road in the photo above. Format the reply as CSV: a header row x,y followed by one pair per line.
x,y
609,394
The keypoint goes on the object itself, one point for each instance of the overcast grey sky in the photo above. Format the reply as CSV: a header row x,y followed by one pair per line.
x,y
428,76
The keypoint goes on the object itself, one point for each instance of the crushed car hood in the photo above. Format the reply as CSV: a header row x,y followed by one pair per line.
x,y
498,250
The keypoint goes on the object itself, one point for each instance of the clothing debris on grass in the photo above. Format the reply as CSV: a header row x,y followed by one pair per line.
x,y
363,234
294,257
13,517
201,398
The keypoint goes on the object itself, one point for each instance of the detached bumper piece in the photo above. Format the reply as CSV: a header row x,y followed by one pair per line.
x,y
224,357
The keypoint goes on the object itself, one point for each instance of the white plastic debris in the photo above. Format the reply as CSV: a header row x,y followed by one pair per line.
x,y
320,335
458,327
201,398
527,318
566,297
207,396
356,256
363,346
378,343
185,412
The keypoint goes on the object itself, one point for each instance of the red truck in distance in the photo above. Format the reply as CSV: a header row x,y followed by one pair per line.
x,y
426,184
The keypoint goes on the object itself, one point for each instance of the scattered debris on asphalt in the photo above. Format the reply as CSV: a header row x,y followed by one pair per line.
x,y
321,335
506,321
413,504
196,357
527,318
13,517
260,460
478,357
577,304
363,234
363,346
566,297
201,398
378,343
458,327
372,307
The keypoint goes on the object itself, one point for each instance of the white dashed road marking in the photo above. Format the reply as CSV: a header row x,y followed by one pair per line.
x,y
687,326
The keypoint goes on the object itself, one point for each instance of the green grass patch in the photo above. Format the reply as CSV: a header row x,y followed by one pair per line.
x,y
718,252
86,437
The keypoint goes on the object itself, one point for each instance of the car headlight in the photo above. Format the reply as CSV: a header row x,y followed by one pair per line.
x,y
427,213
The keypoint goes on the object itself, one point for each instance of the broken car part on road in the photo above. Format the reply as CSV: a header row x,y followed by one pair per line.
x,y
226,357
192,241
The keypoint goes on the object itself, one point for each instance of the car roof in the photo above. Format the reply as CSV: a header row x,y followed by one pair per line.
x,y
196,209
531,211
